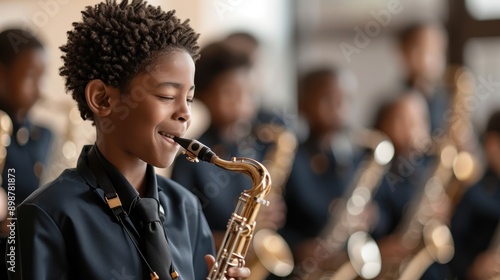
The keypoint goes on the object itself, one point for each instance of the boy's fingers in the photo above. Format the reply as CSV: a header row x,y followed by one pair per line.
x,y
210,261
235,272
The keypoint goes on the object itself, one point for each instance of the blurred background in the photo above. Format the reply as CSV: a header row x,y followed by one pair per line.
x,y
296,35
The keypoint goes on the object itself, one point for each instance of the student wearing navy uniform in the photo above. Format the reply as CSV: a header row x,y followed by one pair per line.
x,y
321,170
475,226
249,45
405,120
130,68
423,49
22,66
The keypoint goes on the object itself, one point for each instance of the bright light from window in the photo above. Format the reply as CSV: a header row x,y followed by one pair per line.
x,y
484,9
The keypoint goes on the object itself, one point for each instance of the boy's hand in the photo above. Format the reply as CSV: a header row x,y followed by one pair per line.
x,y
233,273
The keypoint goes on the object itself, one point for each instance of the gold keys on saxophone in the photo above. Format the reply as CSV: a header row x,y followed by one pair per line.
x,y
241,225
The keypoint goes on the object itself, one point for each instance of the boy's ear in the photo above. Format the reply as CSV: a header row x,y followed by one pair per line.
x,y
99,96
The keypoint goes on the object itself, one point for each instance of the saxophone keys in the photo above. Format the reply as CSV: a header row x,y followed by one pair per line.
x,y
262,201
190,156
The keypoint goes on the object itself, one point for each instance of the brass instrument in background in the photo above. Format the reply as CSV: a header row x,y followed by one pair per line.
x,y
423,233
69,138
271,253
66,149
427,238
466,166
6,128
241,225
347,226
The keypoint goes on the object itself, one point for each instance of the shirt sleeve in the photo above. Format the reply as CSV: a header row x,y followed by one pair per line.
x,y
39,246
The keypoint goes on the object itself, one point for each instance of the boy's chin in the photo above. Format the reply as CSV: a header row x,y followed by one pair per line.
x,y
163,164
161,159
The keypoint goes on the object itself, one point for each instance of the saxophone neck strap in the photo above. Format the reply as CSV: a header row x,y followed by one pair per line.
x,y
110,195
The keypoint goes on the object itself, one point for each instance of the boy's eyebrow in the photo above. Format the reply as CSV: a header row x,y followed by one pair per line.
x,y
173,84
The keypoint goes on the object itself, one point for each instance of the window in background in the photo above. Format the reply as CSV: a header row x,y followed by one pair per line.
x,y
482,57
484,9
271,22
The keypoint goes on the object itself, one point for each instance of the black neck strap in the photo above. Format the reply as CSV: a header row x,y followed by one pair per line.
x,y
113,201
103,181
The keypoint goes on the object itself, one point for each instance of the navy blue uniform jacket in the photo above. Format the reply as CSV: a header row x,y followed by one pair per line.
x,y
65,230
309,194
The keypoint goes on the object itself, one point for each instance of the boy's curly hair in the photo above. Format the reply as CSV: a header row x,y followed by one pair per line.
x,y
114,42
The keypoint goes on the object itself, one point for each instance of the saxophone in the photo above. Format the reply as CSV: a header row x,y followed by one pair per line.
x,y
241,225
346,225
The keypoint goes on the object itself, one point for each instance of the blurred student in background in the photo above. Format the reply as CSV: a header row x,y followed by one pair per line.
x,y
247,44
22,66
405,120
423,50
475,226
321,170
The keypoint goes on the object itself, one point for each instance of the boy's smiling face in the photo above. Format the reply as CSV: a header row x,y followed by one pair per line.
x,y
155,108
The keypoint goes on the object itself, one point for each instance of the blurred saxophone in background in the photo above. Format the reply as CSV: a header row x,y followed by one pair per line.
x,y
347,224
6,128
466,166
271,253
241,225
75,134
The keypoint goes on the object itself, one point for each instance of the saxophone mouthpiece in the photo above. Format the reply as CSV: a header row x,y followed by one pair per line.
x,y
195,148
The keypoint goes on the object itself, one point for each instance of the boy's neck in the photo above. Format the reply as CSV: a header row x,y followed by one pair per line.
x,y
132,168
